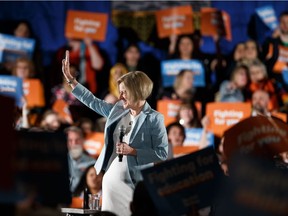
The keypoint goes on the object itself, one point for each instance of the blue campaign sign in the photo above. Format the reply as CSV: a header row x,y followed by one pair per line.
x,y
285,75
193,137
185,184
268,16
12,47
170,68
11,86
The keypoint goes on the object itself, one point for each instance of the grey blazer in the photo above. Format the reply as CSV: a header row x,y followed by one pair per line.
x,y
148,137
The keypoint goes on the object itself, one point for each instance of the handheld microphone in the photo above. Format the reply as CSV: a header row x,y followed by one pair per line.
x,y
122,130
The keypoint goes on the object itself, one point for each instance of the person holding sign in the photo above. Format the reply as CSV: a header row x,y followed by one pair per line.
x,y
143,144
86,56
275,49
260,81
183,88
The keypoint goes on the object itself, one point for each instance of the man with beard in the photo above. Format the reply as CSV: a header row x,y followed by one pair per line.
x,y
260,101
275,50
78,160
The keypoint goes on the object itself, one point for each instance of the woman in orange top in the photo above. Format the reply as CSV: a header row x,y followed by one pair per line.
x,y
259,80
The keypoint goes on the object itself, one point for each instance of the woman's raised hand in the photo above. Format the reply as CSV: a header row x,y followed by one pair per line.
x,y
66,70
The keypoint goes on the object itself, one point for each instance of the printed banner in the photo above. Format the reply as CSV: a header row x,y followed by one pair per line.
x,y
93,143
170,68
176,20
268,16
8,138
215,22
170,109
259,135
223,115
12,47
41,168
183,184
81,24
11,86
34,92
255,187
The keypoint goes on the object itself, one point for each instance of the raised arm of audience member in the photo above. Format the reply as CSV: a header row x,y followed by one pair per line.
x,y
96,59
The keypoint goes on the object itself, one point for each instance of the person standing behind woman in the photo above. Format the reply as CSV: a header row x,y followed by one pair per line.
x,y
145,141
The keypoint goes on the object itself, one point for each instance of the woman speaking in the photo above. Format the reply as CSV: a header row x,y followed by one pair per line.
x,y
135,136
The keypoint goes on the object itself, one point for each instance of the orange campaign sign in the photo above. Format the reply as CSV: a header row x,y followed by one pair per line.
x,y
34,92
170,109
259,135
184,150
62,108
176,20
215,22
93,143
82,24
223,115
282,116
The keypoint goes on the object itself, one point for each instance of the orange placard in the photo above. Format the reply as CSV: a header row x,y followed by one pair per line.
x,y
81,24
34,93
62,108
259,135
170,109
183,150
77,202
176,20
282,116
93,143
215,22
223,115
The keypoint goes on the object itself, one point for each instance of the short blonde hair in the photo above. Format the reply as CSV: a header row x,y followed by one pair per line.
x,y
139,86
259,64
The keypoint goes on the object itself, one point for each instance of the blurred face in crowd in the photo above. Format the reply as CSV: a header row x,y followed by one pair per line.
x,y
256,73
176,136
118,73
284,24
185,47
239,52
187,80
86,127
51,122
22,31
22,70
132,56
260,101
250,50
93,180
75,143
240,78
185,115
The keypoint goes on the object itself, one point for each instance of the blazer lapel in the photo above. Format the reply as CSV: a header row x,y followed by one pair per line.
x,y
146,109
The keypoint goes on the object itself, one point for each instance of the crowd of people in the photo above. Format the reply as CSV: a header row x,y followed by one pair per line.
x,y
123,94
